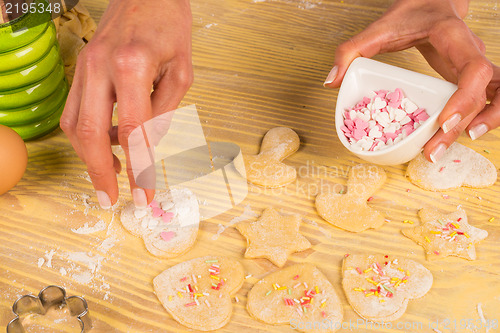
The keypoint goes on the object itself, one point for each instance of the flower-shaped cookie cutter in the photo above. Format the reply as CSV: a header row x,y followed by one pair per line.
x,y
48,297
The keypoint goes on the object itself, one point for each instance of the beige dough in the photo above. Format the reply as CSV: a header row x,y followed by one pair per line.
x,y
75,28
386,283
459,166
266,169
273,236
350,211
165,237
280,298
206,307
443,235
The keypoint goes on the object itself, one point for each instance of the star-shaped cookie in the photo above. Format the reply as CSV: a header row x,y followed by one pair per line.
x,y
273,236
443,235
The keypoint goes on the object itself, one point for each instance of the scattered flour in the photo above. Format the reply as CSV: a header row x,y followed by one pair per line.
x,y
85,229
208,26
247,214
48,256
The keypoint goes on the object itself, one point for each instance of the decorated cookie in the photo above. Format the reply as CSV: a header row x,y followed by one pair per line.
x,y
298,296
169,225
273,236
379,287
443,235
459,166
350,211
267,169
197,293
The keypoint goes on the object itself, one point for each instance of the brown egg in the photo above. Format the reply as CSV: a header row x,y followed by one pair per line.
x,y
13,158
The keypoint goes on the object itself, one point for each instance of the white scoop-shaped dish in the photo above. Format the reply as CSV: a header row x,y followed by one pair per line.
x,y
366,75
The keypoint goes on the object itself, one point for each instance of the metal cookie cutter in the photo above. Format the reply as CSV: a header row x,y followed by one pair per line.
x,y
48,297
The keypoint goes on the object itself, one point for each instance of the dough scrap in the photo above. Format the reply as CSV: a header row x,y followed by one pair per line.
x,y
459,166
388,300
273,300
165,236
187,291
267,169
273,236
75,28
443,235
350,211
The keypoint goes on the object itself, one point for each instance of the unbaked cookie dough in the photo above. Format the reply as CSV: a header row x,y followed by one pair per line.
x,y
197,293
379,287
168,226
350,211
459,166
298,296
267,169
443,235
273,236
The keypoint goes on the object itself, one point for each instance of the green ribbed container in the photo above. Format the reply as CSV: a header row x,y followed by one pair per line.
x,y
33,87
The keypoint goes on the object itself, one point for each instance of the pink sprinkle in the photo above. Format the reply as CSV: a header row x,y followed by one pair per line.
x,y
442,168
295,277
349,124
323,313
359,270
157,212
167,217
346,255
360,124
167,235
408,190
391,135
190,304
344,128
347,116
445,196
370,199
423,116
153,203
457,161
358,134
436,253
184,279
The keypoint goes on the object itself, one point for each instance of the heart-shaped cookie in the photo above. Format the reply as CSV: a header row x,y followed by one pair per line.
x,y
267,169
168,226
350,211
299,296
459,166
197,293
378,287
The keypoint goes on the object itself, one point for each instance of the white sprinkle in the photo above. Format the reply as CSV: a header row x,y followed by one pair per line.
x,y
187,289
306,286
199,276
436,330
194,279
296,300
249,275
220,295
236,299
277,286
206,294
298,284
207,303
215,265
480,313
181,290
196,300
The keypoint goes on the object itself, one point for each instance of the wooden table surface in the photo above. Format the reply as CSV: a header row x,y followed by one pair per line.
x,y
258,64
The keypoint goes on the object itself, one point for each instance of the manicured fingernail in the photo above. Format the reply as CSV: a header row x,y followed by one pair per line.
x,y
477,131
451,122
438,152
140,199
104,200
331,76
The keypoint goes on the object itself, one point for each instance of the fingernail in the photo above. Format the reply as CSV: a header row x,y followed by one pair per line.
x,y
451,122
103,199
140,199
331,76
477,131
438,152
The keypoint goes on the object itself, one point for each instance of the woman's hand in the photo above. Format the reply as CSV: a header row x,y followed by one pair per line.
x,y
138,45
437,30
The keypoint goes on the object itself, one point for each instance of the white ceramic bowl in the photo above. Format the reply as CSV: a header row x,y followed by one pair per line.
x,y
365,75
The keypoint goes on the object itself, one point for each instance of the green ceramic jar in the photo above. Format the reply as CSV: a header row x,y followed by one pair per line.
x,y
33,87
